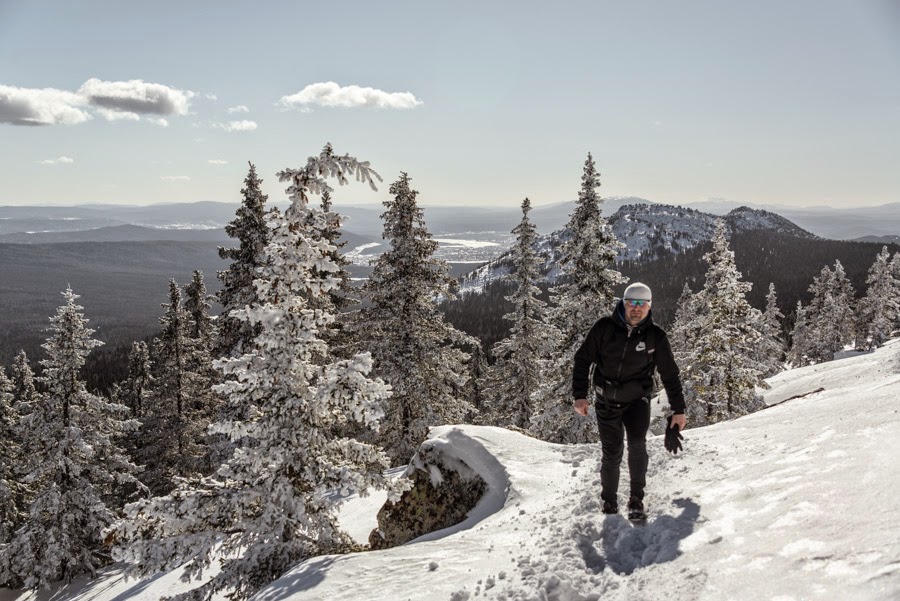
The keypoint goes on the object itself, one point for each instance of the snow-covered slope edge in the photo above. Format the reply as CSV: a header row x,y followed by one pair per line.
x,y
794,502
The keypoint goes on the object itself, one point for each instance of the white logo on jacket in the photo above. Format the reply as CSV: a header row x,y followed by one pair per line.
x,y
640,346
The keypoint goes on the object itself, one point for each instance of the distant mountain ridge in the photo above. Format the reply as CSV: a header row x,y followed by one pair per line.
x,y
648,232
825,221
365,220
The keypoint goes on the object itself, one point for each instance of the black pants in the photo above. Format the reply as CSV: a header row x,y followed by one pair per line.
x,y
633,419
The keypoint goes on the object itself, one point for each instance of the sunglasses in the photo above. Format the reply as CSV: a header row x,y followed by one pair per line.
x,y
631,302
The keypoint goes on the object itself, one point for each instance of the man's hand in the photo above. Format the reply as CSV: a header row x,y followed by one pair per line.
x,y
679,420
581,407
673,436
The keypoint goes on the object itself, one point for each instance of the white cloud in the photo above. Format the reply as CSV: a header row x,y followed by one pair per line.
x,y
217,162
47,106
111,115
332,95
58,161
135,96
112,100
211,97
175,178
236,126
238,109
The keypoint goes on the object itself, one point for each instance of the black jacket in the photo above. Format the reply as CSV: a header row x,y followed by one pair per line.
x,y
625,359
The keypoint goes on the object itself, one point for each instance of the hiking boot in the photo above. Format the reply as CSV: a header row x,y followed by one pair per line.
x,y
636,509
609,507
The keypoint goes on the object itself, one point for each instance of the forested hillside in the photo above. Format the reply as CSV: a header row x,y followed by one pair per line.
x,y
762,256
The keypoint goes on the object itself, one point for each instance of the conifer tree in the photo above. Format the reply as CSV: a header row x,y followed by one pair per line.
x,y
771,349
511,384
136,389
474,390
725,371
895,271
73,463
238,291
690,316
271,504
586,294
196,303
174,442
338,334
880,307
24,391
12,489
201,375
800,338
828,319
415,350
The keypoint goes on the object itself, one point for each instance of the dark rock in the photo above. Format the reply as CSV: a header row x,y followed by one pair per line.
x,y
442,494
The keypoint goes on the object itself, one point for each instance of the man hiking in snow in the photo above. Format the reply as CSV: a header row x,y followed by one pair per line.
x,y
626,347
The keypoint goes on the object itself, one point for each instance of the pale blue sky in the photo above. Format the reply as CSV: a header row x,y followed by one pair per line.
x,y
789,102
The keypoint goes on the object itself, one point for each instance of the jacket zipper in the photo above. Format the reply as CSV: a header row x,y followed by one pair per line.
x,y
622,359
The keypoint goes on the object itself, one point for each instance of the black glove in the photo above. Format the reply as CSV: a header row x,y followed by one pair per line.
x,y
673,437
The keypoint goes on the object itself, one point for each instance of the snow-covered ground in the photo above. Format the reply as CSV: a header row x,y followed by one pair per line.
x,y
796,502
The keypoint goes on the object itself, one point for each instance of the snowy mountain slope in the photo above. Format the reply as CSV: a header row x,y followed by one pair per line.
x,y
794,502
648,231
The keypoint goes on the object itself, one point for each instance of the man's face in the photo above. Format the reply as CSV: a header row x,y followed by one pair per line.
x,y
636,311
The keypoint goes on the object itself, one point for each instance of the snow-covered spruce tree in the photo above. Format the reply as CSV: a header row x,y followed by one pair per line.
x,y
511,383
880,307
12,489
202,376
474,388
829,317
771,348
73,462
799,338
845,304
135,389
339,300
22,377
201,336
895,270
196,303
173,440
272,504
726,370
415,350
687,328
250,229
586,293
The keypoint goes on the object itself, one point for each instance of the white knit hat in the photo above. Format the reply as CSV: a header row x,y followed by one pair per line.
x,y
638,291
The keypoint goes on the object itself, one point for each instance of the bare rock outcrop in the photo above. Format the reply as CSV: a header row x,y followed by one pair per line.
x,y
443,492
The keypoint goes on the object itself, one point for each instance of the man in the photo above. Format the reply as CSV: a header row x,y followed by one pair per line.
x,y
626,347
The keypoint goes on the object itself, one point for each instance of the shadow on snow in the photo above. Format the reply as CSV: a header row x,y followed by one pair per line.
x,y
626,547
